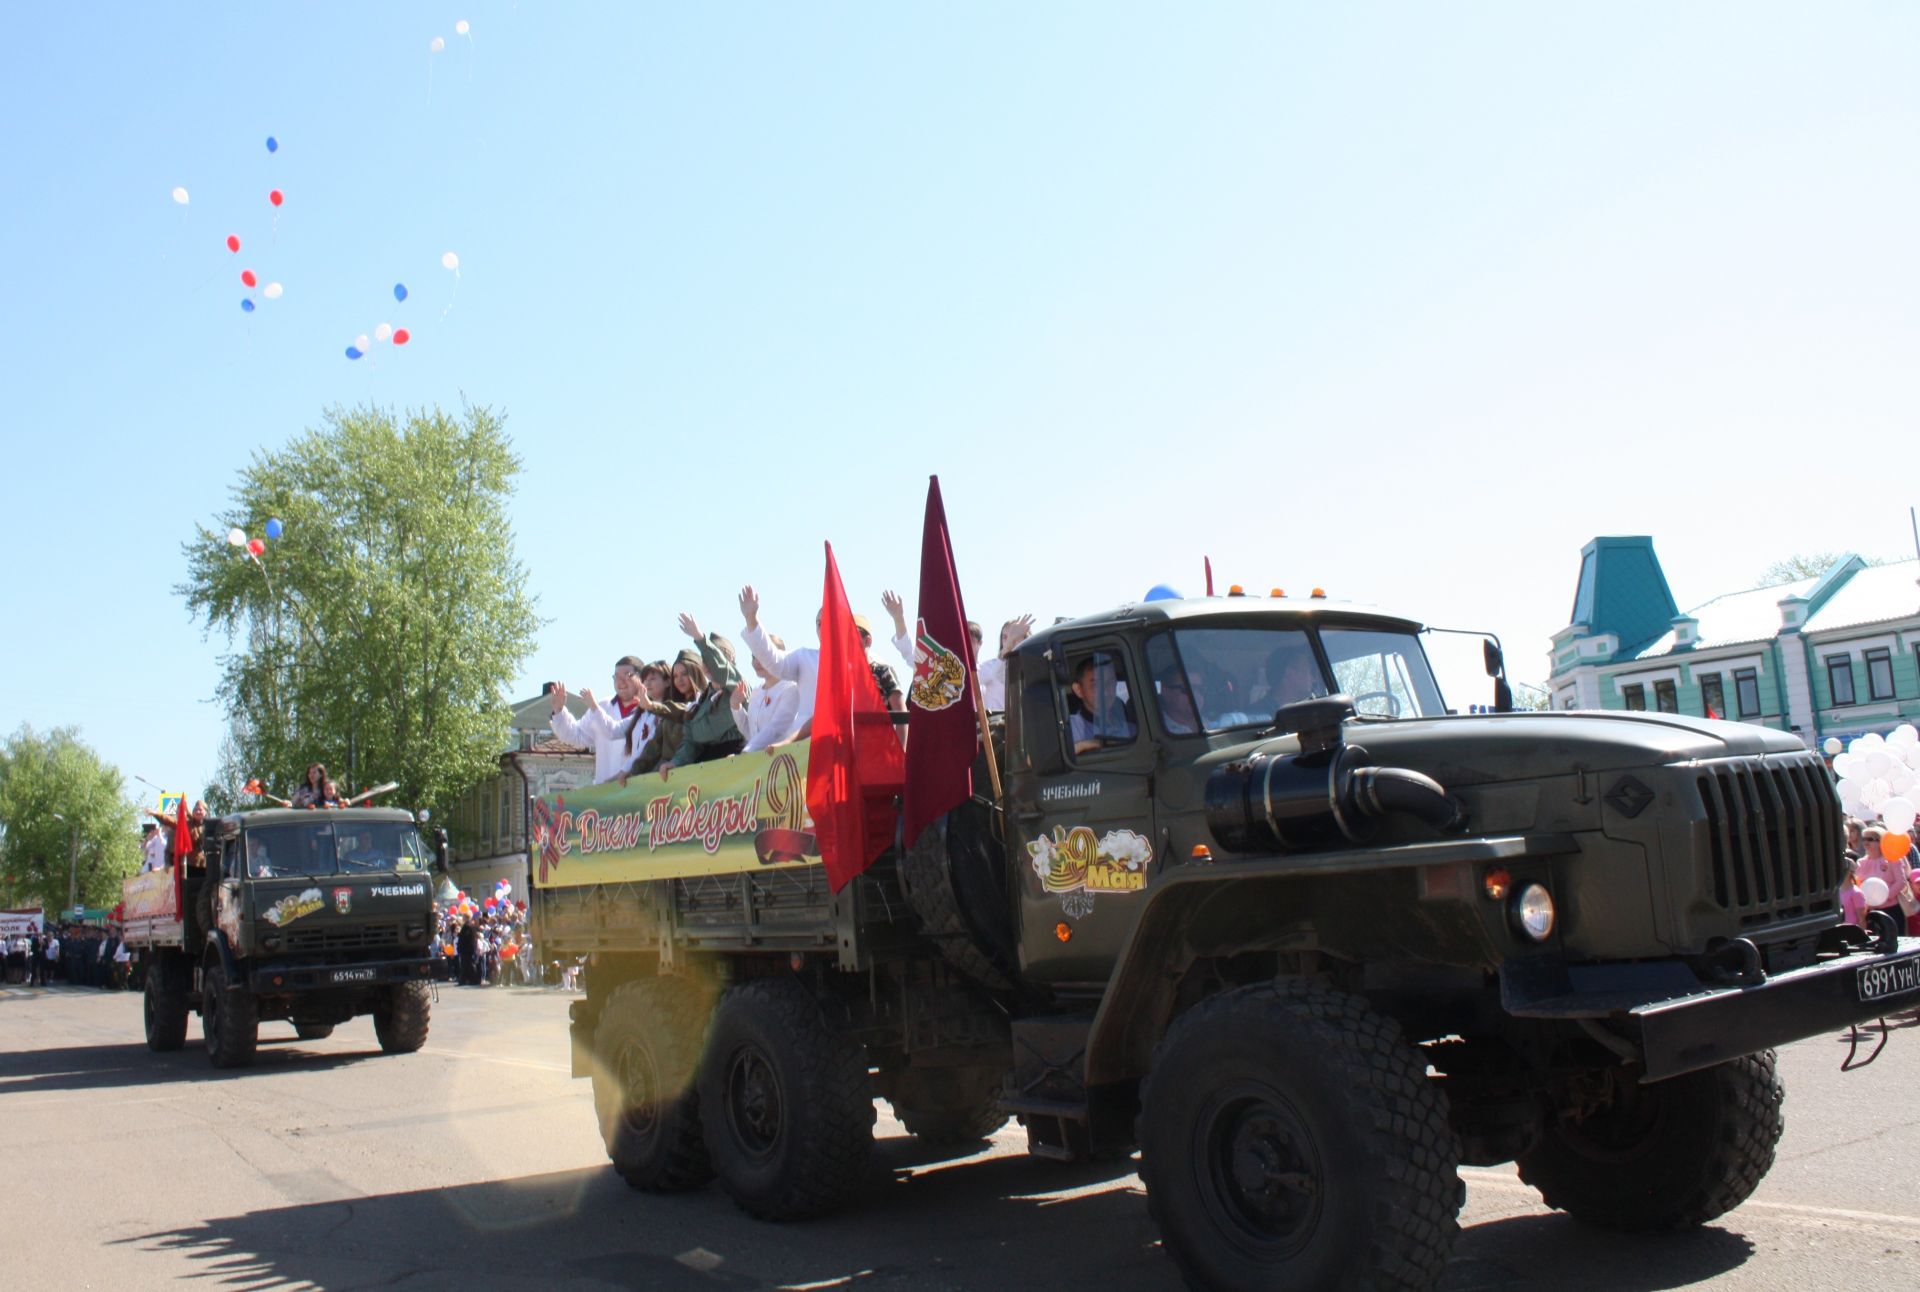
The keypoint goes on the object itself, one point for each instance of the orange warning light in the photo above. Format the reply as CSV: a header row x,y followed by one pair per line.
x,y
1063,931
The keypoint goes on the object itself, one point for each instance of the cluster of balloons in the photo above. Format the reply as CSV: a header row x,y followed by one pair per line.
x,y
255,547
464,904
1880,777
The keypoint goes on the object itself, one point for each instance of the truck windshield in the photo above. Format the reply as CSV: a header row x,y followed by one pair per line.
x,y
1216,679
1386,673
331,847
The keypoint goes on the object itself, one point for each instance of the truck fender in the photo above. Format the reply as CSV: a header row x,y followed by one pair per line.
x,y
1265,904
217,941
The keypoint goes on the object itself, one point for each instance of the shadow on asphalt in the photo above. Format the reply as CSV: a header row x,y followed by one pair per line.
x,y
132,1064
922,1220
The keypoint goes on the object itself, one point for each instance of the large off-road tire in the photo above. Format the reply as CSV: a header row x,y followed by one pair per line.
x,y
400,1021
953,876
315,1031
646,1054
166,1002
948,1106
1290,1138
230,1019
1666,1156
785,1101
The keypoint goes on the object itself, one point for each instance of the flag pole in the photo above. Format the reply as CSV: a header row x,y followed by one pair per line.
x,y
986,735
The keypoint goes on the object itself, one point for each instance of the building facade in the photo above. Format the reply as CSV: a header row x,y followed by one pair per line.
x,y
1837,654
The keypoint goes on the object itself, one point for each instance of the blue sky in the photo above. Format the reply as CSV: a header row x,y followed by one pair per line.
x,y
1407,301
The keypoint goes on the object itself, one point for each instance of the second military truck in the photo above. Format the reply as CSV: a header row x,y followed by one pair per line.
x,y
1253,903
313,917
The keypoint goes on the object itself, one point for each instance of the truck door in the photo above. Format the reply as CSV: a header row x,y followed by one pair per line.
x,y
1082,803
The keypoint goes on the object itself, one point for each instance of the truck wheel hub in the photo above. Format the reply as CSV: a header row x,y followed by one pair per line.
x,y
1266,1170
753,1101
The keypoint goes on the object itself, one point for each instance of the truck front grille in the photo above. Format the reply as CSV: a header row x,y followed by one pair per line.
x,y
351,937
1774,836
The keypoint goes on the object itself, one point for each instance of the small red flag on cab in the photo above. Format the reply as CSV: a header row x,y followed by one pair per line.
x,y
943,708
854,768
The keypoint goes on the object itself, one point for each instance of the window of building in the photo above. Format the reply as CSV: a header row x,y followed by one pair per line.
x,y
1746,692
1634,697
506,816
1840,679
1879,674
1664,697
1713,699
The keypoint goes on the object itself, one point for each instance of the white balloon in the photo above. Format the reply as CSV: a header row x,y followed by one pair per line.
x,y
237,537
1875,891
1873,740
382,332
1857,745
1874,793
450,261
272,291
360,343
180,196
462,27
1904,734
1832,746
1844,766
437,44
1899,814
1902,781
1880,763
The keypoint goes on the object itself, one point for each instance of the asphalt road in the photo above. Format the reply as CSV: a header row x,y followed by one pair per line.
x,y
475,1164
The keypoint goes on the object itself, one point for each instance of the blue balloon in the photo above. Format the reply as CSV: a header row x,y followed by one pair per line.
x,y
273,529
353,352
273,145
399,291
246,304
1161,592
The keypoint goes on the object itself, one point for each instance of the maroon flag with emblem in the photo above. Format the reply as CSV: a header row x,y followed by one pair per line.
x,y
943,703
854,763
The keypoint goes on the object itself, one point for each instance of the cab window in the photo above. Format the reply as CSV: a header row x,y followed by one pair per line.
x,y
1098,702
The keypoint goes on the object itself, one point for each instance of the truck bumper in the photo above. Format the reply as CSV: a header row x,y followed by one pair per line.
x,y
276,978
1679,1031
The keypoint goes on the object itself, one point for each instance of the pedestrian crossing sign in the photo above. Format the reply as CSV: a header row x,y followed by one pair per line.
x,y
170,803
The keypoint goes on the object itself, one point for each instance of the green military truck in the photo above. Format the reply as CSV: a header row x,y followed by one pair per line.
x,y
1253,902
312,917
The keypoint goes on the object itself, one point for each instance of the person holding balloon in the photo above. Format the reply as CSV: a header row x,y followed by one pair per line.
x,y
1880,881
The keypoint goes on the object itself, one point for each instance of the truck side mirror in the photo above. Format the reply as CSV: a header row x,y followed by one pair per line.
x,y
1496,662
440,847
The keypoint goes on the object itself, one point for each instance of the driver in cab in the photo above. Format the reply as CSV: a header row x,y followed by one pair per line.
x,y
259,864
1101,718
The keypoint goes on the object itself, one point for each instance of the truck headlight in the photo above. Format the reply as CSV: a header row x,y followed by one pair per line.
x,y
1532,911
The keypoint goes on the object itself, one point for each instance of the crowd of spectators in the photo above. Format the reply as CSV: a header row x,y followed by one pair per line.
x,y
702,704
490,945
1880,877
78,955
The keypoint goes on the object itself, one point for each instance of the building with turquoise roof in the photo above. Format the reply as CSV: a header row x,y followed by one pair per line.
x,y
1833,655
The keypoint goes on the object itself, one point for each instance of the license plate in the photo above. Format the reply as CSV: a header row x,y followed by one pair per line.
x,y
367,975
1893,978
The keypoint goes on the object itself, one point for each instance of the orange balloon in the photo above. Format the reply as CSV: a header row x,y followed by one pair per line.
x,y
1894,846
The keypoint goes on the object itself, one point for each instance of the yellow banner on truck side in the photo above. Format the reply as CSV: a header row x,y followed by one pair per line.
x,y
748,812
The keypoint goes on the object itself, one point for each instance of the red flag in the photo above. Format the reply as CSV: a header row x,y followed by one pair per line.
x,y
182,836
855,766
943,713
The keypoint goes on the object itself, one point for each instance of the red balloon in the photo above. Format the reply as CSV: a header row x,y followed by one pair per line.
x,y
256,546
401,336
233,242
246,276
276,197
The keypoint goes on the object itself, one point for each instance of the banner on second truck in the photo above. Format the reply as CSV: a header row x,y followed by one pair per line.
x,y
748,812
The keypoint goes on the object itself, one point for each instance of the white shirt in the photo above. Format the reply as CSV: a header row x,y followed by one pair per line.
x,y
993,684
770,715
156,848
121,955
53,949
604,731
800,666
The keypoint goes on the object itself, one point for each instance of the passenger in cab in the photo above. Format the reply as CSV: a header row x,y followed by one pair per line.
x,y
1100,717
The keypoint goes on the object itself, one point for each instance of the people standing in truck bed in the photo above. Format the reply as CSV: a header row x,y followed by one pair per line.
x,y
313,788
613,729
704,683
770,714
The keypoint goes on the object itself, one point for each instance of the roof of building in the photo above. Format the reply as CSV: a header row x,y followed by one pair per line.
x,y
1622,590
1871,595
1750,616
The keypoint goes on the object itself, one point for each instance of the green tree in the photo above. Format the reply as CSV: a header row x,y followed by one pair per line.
x,y
379,633
59,802
1806,565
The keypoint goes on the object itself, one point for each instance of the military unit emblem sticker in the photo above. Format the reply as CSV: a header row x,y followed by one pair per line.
x,y
342,900
939,675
